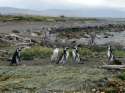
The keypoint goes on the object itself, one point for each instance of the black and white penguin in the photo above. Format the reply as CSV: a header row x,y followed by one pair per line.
x,y
64,57
76,56
111,58
16,59
110,55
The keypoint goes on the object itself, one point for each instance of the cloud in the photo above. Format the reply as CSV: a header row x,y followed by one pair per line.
x,y
115,3
63,4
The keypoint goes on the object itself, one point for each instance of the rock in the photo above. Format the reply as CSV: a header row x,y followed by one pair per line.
x,y
4,42
35,41
105,36
120,67
102,92
15,31
34,34
93,90
13,37
98,91
102,82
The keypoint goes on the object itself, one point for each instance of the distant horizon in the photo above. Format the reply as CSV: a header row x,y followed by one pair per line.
x,y
63,4
87,13
87,8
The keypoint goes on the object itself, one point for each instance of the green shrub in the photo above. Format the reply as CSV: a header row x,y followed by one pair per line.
x,y
122,76
36,52
85,52
98,49
119,53
27,54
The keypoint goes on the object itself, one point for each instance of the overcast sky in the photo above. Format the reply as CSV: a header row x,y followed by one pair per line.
x,y
63,4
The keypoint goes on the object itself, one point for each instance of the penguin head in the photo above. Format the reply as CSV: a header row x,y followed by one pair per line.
x,y
66,48
19,49
76,48
109,47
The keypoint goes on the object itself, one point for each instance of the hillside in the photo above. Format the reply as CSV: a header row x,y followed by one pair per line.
x,y
86,12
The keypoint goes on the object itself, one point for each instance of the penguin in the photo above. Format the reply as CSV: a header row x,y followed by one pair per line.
x,y
76,56
65,56
16,59
55,55
111,58
109,54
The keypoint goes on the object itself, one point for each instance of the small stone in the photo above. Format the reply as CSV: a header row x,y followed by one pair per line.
x,y
102,92
93,90
97,91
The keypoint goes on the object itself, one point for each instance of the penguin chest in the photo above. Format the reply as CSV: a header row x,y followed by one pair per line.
x,y
73,54
67,54
56,52
108,54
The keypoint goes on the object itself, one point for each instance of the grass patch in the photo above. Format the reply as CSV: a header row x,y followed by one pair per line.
x,y
85,52
44,52
47,76
119,53
122,76
44,18
36,52
98,48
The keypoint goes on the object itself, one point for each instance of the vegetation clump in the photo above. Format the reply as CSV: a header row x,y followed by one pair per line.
x,y
36,52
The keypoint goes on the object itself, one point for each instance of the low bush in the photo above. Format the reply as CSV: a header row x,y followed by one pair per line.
x,y
36,52
85,52
119,53
122,76
98,48
44,52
